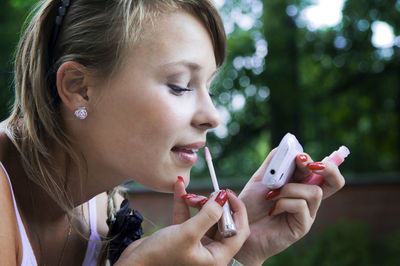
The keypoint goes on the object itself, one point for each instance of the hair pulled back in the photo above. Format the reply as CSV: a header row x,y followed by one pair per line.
x,y
94,33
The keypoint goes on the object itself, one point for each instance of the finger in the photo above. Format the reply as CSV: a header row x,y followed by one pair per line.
x,y
197,226
333,179
302,171
228,247
181,211
260,171
239,215
195,201
310,193
314,178
299,208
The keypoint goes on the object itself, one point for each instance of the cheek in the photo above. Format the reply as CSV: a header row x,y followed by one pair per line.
x,y
156,117
152,133
137,131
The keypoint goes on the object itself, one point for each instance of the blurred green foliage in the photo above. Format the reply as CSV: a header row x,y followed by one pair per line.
x,y
347,243
282,77
13,16
329,87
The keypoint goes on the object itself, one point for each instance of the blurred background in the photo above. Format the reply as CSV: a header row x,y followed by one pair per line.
x,y
326,71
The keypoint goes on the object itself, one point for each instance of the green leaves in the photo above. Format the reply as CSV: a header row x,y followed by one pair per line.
x,y
22,4
329,87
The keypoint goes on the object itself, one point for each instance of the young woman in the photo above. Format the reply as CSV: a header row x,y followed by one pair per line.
x,y
118,90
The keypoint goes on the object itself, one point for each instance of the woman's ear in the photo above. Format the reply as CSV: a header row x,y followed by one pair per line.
x,y
72,85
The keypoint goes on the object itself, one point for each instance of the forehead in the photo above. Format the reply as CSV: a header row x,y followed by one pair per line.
x,y
174,37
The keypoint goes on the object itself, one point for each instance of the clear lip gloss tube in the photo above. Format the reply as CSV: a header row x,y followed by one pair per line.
x,y
226,225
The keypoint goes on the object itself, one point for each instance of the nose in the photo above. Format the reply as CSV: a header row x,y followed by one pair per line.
x,y
206,116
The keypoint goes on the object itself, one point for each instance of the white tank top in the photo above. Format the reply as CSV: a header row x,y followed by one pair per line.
x,y
94,244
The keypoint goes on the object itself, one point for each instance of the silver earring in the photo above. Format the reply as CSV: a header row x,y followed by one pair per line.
x,y
81,113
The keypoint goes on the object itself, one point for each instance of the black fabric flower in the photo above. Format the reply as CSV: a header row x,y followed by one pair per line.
x,y
123,230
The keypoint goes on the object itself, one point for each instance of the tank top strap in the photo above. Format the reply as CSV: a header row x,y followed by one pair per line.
x,y
93,216
94,244
28,256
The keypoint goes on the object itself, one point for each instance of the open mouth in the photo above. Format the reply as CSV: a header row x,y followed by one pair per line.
x,y
186,155
178,149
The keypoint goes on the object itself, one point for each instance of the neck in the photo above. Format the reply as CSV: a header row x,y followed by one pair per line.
x,y
80,187
84,184
27,198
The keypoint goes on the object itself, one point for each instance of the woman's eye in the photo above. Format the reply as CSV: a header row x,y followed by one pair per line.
x,y
178,90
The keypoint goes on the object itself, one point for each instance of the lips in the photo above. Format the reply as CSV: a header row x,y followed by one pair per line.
x,y
187,153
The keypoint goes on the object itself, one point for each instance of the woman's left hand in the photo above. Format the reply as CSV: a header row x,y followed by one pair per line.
x,y
279,218
284,216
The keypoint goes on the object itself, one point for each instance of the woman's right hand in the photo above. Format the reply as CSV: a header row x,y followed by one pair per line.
x,y
190,241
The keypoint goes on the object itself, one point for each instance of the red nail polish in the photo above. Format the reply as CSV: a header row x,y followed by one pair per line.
x,y
203,201
189,196
181,179
272,194
221,198
272,209
316,166
231,191
302,157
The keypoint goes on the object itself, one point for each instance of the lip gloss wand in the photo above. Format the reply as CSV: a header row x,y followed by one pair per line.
x,y
226,225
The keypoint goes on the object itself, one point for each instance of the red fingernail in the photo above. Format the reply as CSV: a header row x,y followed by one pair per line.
x,y
272,194
302,157
181,179
316,166
189,196
231,191
203,201
272,209
221,198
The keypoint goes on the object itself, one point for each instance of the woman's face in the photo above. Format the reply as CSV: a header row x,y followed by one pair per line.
x,y
148,121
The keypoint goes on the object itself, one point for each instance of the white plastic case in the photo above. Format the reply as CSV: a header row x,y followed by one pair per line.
x,y
283,163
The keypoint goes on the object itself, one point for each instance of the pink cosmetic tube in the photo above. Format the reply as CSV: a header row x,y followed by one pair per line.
x,y
337,157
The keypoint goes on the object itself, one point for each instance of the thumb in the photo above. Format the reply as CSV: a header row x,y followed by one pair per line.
x,y
208,216
257,176
181,210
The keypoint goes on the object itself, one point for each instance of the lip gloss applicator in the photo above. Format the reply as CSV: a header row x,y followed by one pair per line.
x,y
226,225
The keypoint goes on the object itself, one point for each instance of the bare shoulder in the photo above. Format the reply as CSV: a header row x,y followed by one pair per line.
x,y
9,234
101,206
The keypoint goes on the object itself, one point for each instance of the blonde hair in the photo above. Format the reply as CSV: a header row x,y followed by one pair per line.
x,y
94,33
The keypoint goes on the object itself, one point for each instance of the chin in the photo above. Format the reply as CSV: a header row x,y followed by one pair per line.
x,y
165,182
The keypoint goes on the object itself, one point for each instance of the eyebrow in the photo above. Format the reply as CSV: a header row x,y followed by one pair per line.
x,y
193,67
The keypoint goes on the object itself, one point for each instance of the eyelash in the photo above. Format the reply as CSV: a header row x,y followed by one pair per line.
x,y
179,91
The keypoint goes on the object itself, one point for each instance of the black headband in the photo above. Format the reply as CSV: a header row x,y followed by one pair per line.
x,y
62,10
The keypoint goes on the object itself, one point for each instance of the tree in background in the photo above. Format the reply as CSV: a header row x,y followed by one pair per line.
x,y
12,17
329,86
